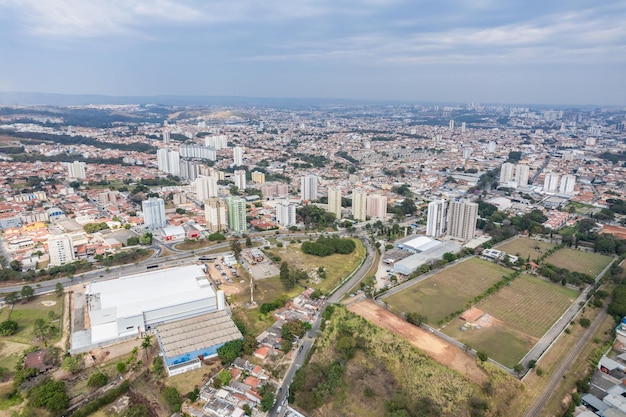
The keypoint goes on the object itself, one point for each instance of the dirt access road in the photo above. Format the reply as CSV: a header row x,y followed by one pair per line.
x,y
440,350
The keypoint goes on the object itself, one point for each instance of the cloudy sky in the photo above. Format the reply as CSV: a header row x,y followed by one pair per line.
x,y
505,51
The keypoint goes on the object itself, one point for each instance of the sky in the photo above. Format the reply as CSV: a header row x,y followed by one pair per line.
x,y
456,51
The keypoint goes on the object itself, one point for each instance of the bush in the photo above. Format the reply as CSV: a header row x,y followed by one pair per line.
x,y
108,398
8,328
121,367
482,355
584,322
539,371
172,397
97,380
49,395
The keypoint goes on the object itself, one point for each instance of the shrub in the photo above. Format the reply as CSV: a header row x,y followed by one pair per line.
x,y
172,397
97,380
584,322
8,328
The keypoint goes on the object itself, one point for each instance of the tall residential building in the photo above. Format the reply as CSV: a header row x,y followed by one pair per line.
x,y
359,205
76,170
462,216
334,202
166,136
240,179
215,214
189,170
216,142
198,152
154,213
60,250
463,127
236,214
168,161
568,182
551,183
491,147
258,177
506,173
308,187
437,220
237,156
522,173
286,214
376,206
451,124
206,187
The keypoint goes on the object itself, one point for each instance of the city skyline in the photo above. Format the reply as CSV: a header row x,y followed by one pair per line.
x,y
548,53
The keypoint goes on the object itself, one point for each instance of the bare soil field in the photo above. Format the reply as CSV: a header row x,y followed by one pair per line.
x,y
617,231
440,350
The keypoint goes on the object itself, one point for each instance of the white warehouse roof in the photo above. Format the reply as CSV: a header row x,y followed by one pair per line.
x,y
134,294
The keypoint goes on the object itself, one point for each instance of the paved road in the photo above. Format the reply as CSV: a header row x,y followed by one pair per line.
x,y
561,324
557,377
307,342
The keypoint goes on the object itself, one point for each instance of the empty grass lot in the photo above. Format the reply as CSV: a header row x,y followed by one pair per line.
x,y
522,313
579,261
25,314
526,247
448,290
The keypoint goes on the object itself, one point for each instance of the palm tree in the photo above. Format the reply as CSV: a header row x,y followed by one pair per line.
x,y
146,344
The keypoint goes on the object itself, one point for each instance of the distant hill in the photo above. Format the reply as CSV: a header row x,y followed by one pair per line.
x,y
33,99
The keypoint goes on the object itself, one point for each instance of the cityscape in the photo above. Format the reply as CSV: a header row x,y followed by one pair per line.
x,y
312,209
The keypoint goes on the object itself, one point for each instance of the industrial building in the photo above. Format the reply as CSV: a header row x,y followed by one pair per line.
x,y
424,250
174,302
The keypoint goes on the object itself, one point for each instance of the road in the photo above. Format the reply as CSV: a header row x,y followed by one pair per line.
x,y
308,341
557,377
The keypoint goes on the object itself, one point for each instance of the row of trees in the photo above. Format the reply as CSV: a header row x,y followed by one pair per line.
x,y
290,277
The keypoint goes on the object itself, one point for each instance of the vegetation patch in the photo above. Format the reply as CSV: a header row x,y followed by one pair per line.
x,y
579,261
526,248
358,369
449,290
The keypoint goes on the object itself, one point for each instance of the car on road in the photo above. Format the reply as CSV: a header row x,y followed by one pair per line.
x,y
300,349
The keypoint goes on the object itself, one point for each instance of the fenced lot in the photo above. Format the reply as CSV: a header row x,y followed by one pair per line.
x,y
448,290
526,247
520,314
579,261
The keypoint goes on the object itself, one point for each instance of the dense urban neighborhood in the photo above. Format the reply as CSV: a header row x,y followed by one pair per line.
x,y
312,260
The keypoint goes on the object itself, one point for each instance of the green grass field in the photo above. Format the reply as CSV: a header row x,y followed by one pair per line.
x,y
521,312
526,247
449,290
579,261
25,314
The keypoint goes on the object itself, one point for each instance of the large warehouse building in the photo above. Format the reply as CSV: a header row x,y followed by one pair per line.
x,y
113,311
424,250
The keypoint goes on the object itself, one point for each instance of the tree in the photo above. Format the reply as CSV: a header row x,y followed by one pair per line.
x,y
146,344
73,364
267,401
8,327
532,363
285,276
172,397
16,265
132,241
235,246
230,351
11,298
146,239
121,367
27,292
137,410
291,329
416,318
50,395
97,380
58,289
225,377
249,344
482,356
248,242
518,369
158,368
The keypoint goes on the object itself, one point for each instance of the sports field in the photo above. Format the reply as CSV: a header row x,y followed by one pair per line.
x,y
519,315
448,290
525,247
579,261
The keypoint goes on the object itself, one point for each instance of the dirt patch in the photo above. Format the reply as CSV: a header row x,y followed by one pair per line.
x,y
49,303
616,231
440,350
472,314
